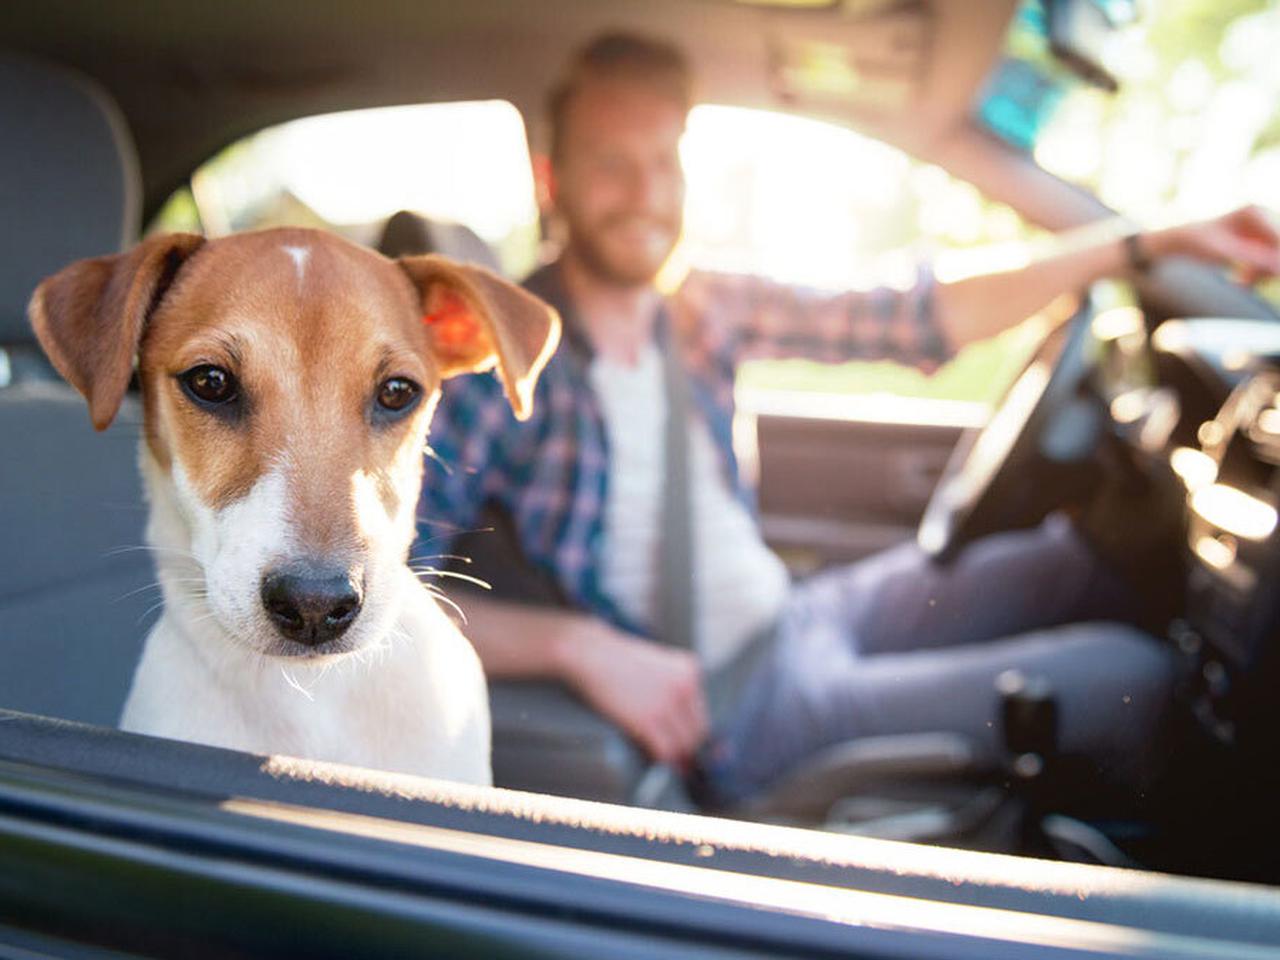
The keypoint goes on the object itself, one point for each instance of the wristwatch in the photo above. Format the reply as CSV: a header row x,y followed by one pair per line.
x,y
1134,252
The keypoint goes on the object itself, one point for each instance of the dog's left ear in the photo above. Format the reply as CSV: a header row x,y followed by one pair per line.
x,y
89,317
475,319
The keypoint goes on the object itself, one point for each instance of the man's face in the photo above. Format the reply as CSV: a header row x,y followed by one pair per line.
x,y
619,185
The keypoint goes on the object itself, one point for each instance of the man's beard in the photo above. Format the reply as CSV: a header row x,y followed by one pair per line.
x,y
634,271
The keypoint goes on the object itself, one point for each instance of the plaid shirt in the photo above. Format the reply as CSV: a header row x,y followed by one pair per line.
x,y
550,473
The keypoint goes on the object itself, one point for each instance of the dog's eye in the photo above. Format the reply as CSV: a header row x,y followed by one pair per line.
x,y
209,385
397,394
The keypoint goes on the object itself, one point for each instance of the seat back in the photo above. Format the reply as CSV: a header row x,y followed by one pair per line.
x,y
406,234
72,579
69,185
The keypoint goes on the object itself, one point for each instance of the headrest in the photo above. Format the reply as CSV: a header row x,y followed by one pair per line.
x,y
69,183
406,234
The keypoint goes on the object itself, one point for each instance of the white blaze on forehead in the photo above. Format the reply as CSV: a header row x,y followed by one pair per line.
x,y
299,256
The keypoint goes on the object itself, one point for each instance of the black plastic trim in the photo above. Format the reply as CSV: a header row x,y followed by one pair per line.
x,y
167,847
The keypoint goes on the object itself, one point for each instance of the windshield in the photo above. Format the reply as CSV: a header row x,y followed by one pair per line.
x,y
1193,128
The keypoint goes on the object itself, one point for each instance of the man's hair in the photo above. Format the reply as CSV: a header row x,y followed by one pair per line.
x,y
649,62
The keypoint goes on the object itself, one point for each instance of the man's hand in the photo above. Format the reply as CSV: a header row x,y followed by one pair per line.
x,y
979,306
654,693
1247,239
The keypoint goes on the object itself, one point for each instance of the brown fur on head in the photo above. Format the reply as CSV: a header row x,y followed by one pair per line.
x,y
239,302
311,328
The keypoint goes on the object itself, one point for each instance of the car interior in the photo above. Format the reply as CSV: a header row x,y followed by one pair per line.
x,y
1154,426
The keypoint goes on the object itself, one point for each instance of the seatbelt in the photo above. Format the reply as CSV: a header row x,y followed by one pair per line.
x,y
675,556
676,587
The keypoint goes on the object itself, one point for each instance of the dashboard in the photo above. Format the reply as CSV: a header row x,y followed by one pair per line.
x,y
1200,398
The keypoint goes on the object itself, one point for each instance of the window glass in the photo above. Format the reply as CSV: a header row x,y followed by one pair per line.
x,y
793,199
456,162
808,202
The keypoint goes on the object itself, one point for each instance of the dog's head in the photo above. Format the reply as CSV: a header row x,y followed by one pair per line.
x,y
288,379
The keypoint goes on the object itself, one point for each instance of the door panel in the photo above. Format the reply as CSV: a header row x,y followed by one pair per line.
x,y
833,489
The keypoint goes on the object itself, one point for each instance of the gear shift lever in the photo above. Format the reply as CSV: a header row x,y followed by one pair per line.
x,y
1029,723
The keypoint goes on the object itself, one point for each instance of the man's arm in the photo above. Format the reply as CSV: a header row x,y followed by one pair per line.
x,y
743,317
980,306
653,692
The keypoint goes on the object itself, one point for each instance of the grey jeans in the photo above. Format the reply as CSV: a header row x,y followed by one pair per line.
x,y
894,644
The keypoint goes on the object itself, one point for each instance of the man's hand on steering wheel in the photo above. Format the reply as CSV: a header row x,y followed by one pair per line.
x,y
975,495
1247,239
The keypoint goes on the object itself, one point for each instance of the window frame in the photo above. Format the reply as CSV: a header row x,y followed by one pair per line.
x,y
149,845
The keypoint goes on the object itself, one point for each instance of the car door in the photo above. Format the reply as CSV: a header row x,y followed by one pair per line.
x,y
840,479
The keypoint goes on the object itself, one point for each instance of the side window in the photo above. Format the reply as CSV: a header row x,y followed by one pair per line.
x,y
796,200
463,163
807,202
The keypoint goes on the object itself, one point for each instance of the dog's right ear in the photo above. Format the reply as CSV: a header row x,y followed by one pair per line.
x,y
89,316
476,320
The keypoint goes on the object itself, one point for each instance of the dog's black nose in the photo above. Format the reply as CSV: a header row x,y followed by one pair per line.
x,y
310,609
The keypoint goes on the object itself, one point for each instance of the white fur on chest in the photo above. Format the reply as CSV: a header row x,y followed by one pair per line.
x,y
414,701
418,705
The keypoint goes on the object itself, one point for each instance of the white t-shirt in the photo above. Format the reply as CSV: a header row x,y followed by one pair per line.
x,y
740,583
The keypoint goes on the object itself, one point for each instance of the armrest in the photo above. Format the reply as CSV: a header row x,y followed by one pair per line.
x,y
546,740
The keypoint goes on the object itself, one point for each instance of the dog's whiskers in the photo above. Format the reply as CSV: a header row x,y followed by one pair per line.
x,y
191,621
292,681
150,610
150,548
421,572
454,531
437,595
430,452
439,556
157,585
367,654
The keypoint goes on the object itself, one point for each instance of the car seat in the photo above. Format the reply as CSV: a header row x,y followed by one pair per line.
x,y
73,583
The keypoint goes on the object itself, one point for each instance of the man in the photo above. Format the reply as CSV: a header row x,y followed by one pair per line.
x,y
890,645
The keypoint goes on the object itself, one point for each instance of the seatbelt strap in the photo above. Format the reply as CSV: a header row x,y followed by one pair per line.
x,y
676,587
675,557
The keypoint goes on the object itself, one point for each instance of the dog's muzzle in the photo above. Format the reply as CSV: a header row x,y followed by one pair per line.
x,y
311,608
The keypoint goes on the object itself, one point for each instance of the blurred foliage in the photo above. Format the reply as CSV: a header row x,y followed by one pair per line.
x,y
1197,120
1179,30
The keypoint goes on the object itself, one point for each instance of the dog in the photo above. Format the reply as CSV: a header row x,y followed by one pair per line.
x,y
288,378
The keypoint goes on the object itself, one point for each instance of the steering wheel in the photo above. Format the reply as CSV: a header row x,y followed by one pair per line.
x,y
1028,458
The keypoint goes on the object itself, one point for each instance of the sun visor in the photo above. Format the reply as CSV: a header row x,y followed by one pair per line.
x,y
862,60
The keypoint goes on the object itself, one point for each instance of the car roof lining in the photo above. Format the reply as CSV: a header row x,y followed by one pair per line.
x,y
193,77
